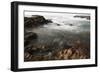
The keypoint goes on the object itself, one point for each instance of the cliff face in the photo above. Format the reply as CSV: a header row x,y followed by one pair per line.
x,y
35,21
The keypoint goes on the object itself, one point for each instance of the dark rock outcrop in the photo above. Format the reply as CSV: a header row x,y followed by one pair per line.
x,y
81,16
28,37
34,21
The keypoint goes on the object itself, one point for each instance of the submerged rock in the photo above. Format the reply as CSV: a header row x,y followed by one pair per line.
x,y
30,36
71,24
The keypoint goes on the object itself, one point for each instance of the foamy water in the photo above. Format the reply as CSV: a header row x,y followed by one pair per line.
x,y
69,24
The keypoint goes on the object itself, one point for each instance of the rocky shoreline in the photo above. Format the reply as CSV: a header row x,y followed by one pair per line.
x,y
44,52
